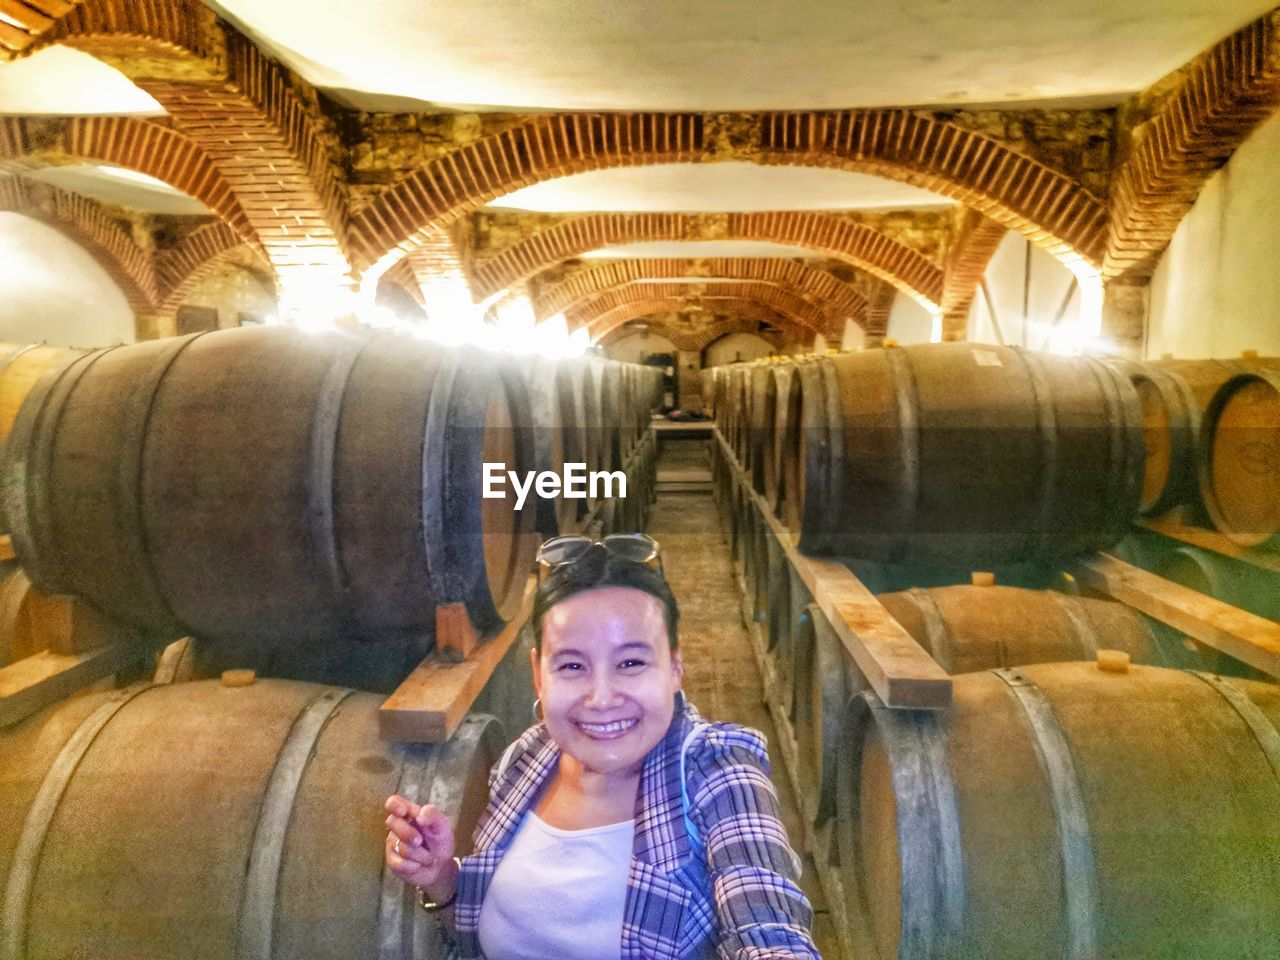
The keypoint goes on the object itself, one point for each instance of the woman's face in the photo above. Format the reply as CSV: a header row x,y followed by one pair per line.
x,y
607,677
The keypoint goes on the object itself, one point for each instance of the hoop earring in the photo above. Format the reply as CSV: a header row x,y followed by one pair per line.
x,y
538,719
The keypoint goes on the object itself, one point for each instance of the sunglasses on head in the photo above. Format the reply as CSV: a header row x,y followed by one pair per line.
x,y
636,547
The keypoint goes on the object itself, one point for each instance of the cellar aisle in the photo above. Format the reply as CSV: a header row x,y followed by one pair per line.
x,y
721,676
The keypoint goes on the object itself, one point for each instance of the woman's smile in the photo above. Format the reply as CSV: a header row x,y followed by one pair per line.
x,y
607,731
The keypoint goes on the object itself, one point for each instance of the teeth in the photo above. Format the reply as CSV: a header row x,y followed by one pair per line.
x,y
616,726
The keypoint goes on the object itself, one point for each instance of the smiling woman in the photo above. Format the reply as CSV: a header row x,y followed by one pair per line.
x,y
642,829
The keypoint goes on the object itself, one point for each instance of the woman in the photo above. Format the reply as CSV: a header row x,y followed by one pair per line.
x,y
621,825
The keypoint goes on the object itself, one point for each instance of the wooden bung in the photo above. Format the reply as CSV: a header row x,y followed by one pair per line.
x,y
982,578
1113,661
238,678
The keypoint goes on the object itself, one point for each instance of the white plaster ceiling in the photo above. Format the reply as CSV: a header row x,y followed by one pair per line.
x,y
126,188
61,81
708,187
732,54
684,249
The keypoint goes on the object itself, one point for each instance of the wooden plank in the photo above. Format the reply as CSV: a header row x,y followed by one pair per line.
x,y
52,8
6,548
1238,633
26,16
899,670
13,38
1173,528
434,698
44,678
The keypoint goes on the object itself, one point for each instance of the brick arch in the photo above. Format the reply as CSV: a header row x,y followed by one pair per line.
x,y
853,243
183,267
1225,93
728,328
402,276
800,311
164,20
1053,210
975,245
278,158
83,221
161,153
702,337
601,325
819,286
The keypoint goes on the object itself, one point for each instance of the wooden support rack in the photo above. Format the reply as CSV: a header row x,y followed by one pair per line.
x,y
435,697
899,670
1250,639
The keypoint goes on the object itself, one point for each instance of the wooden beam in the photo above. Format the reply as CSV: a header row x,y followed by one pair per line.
x,y
899,670
44,678
435,697
1237,633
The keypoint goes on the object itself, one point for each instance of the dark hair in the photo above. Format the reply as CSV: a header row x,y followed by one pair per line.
x,y
598,568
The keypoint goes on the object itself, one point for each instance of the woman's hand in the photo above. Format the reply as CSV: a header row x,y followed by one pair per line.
x,y
424,857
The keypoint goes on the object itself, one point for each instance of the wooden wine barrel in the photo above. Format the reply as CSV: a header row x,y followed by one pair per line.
x,y
1240,457
763,414
968,628
21,367
822,681
272,484
1204,377
1170,431
810,473
199,821
610,407
558,435
780,444
959,453
1061,811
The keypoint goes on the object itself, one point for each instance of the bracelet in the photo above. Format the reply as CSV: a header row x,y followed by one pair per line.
x,y
430,905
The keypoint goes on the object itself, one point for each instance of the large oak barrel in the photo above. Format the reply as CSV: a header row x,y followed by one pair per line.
x,y
1170,431
558,434
273,484
968,628
201,821
1060,811
958,453
1240,457
763,411
21,367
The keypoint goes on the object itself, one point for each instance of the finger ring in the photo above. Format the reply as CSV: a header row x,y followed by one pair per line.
x,y
396,848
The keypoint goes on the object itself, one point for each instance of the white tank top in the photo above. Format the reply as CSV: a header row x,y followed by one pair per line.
x,y
558,894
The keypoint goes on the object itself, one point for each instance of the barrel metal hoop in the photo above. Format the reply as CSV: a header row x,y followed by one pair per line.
x,y
24,506
935,627
929,843
258,906
907,395
324,446
395,913
1079,617
26,855
1079,870
1047,425
129,489
1264,731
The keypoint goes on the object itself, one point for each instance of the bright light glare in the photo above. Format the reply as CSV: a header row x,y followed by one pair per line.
x,y
935,328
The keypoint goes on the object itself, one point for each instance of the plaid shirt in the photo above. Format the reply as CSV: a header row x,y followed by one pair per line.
x,y
739,899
